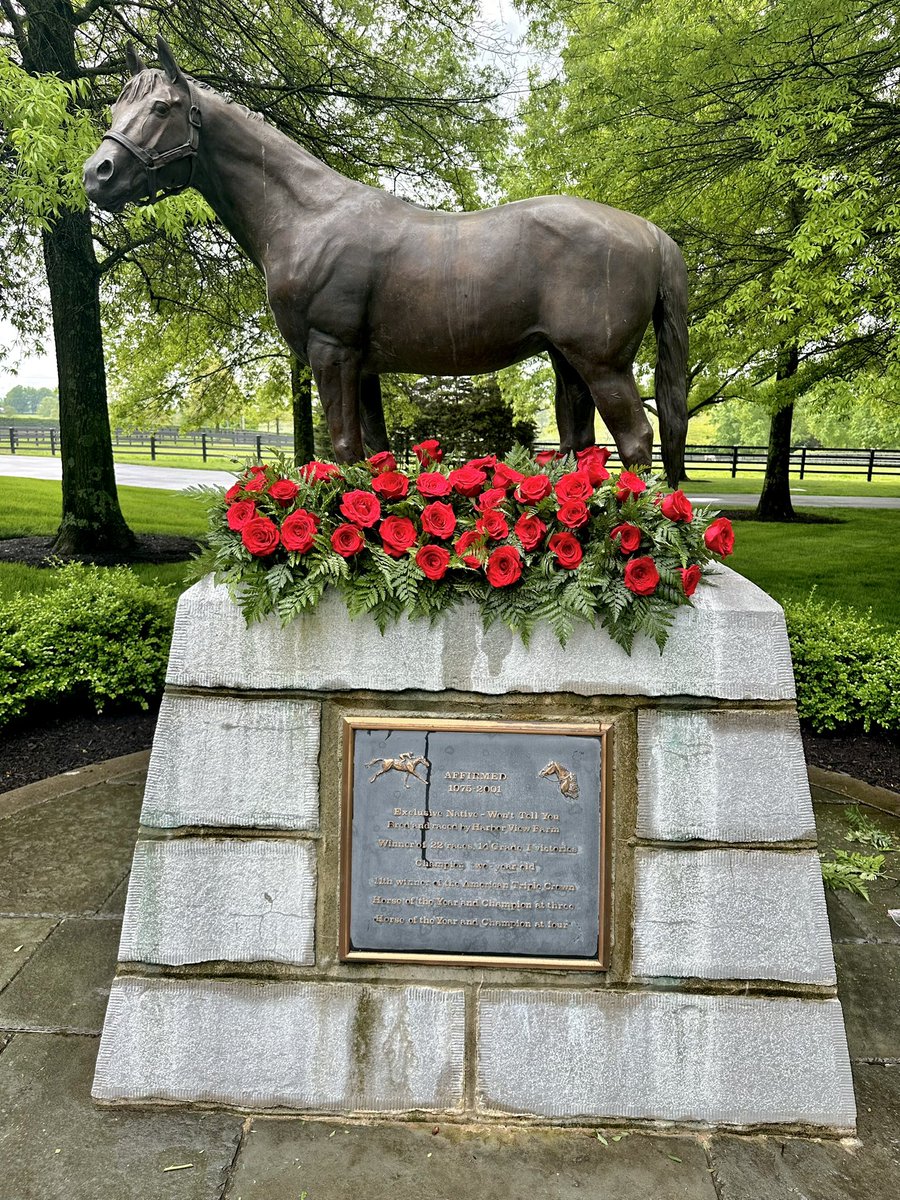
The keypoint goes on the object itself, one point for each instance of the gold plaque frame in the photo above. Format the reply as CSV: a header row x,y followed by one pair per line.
x,y
347,953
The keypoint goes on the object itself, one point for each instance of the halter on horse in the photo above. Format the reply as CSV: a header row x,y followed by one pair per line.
x,y
362,283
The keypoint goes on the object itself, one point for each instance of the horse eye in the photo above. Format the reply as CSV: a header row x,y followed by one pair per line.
x,y
160,108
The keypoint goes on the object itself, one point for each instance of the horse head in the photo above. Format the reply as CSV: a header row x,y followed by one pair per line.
x,y
148,152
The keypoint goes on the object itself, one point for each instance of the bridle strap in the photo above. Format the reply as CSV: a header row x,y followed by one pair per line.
x,y
153,161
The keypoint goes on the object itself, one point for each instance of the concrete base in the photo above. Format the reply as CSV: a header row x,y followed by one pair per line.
x,y
718,1006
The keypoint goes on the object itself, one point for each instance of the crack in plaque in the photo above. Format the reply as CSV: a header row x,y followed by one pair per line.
x,y
426,820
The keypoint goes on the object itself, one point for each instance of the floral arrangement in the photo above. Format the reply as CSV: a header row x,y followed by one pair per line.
x,y
529,538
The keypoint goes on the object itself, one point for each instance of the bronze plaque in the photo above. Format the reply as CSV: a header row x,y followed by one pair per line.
x,y
478,842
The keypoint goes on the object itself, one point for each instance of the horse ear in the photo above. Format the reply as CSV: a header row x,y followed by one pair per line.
x,y
133,60
167,58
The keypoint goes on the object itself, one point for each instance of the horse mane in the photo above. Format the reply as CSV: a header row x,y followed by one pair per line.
x,y
145,83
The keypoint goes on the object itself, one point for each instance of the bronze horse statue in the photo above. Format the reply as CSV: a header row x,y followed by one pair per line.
x,y
362,283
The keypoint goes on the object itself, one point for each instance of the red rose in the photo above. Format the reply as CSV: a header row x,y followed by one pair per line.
x,y
438,519
347,540
260,536
504,566
393,485
362,508
256,469
533,489
239,514
433,483
641,576
284,491
489,460
428,451
490,499
543,458
257,483
493,524
573,513
574,486
567,549
298,530
382,461
598,454
529,531
506,477
468,480
397,535
316,471
629,484
233,492
433,561
690,577
719,537
463,544
629,537
676,507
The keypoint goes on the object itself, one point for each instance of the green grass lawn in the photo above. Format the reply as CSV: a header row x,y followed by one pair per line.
x,y
720,483
853,562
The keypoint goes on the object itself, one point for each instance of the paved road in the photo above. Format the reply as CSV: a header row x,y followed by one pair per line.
x,y
175,478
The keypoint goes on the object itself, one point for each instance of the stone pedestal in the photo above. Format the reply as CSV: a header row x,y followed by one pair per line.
x,y
719,1005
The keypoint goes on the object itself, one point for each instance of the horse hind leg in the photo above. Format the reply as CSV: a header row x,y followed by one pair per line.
x,y
619,404
371,414
574,406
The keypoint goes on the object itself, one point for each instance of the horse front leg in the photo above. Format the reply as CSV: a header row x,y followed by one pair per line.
x,y
337,373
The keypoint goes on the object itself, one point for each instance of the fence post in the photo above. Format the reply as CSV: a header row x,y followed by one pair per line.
x,y
802,461
152,448
203,445
734,461
53,441
12,440
258,446
871,466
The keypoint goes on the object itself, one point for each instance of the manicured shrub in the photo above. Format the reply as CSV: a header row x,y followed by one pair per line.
x,y
100,636
847,667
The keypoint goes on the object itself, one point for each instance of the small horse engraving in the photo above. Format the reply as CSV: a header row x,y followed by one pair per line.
x,y
405,763
568,783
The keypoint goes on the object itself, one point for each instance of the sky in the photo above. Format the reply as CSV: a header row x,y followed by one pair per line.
x,y
17,365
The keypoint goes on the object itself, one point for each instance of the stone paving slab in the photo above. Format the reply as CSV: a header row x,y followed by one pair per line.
x,y
869,987
287,1159
56,1145
65,985
775,1168
68,856
19,938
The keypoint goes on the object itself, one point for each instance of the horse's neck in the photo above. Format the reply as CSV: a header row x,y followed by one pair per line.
x,y
260,184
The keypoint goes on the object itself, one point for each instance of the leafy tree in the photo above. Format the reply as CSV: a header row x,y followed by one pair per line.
x,y
382,91
763,137
22,399
469,416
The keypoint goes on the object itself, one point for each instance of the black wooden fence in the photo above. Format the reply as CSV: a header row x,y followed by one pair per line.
x,y
168,444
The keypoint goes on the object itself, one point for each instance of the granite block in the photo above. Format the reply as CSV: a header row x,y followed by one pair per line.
x,y
721,1060
198,900
731,914
731,644
736,776
332,1047
229,761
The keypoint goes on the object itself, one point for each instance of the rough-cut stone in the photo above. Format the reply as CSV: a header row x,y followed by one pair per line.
x,y
731,914
732,644
197,900
727,1060
316,1046
211,754
736,776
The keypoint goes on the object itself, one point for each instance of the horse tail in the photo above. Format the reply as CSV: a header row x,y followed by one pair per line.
x,y
670,326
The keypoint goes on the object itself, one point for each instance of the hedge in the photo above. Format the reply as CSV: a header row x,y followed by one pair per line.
x,y
847,667
99,636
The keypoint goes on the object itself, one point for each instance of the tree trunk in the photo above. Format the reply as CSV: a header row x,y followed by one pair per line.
x,y
301,406
91,518
775,498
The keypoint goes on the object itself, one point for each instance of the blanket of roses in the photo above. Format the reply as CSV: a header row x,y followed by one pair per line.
x,y
529,538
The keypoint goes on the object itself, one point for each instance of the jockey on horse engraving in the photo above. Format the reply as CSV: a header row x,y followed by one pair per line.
x,y
405,763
